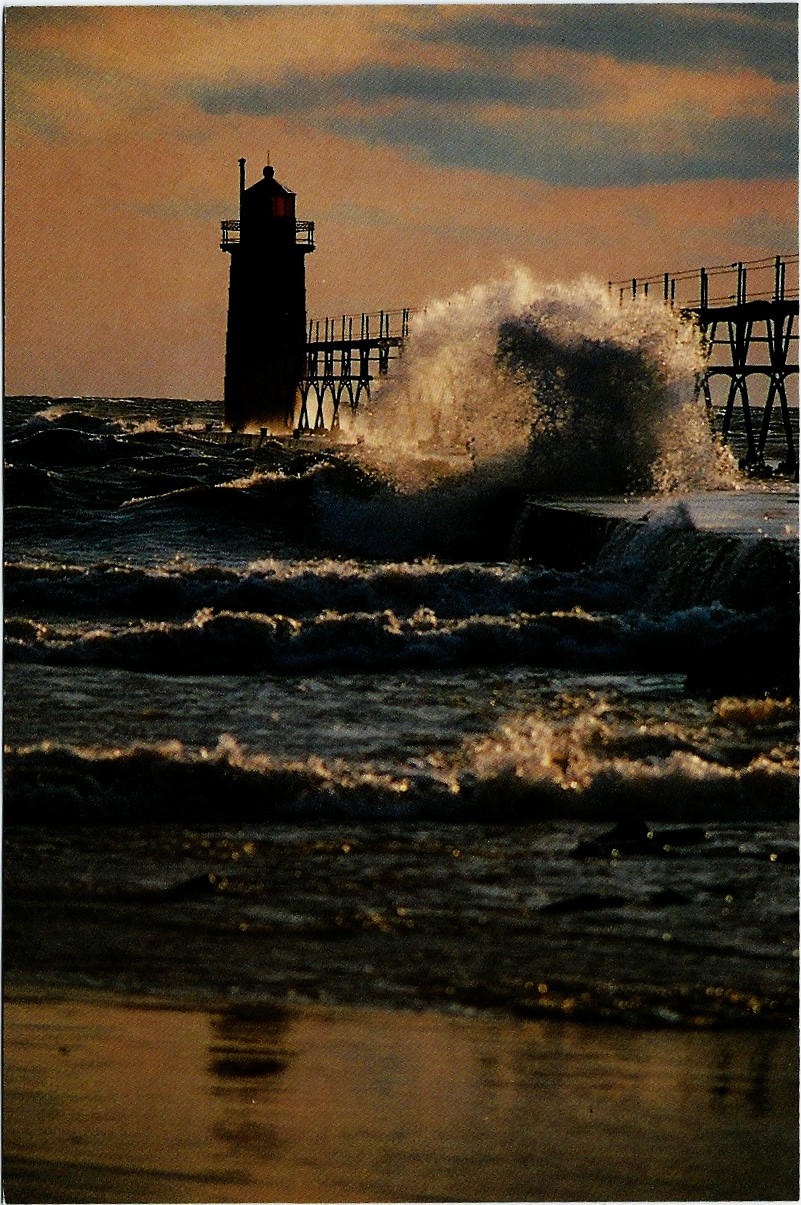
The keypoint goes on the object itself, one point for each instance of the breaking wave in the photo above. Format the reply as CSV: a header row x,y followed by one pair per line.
x,y
714,643
553,387
586,765
669,564
303,587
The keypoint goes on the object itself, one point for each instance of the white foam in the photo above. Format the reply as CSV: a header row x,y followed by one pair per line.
x,y
554,386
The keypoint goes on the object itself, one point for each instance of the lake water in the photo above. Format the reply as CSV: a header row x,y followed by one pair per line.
x,y
286,721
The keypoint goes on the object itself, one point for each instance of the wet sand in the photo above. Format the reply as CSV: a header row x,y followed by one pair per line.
x,y
128,1101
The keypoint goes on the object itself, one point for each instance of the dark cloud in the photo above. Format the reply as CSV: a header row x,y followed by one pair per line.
x,y
436,115
380,83
556,133
209,13
42,64
293,94
555,149
28,69
25,70
763,37
24,113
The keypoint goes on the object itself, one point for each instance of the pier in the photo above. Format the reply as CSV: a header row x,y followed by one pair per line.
x,y
746,313
341,366
285,372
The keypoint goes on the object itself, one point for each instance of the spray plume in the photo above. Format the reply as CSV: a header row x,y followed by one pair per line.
x,y
554,388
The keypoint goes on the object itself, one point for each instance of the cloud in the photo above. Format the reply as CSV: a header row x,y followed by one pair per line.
x,y
554,151
770,231
559,93
55,95
600,128
570,94
380,83
28,17
719,36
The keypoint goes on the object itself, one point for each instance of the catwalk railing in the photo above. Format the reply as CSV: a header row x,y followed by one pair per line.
x,y
231,234
773,278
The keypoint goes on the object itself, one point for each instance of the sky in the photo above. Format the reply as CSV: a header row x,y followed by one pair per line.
x,y
435,147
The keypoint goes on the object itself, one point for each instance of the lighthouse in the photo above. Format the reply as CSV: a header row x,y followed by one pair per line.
x,y
266,336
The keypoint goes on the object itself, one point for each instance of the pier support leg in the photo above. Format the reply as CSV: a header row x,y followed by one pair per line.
x,y
779,334
740,331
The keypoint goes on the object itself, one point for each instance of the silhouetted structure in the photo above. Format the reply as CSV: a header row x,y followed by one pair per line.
x,y
749,322
339,364
266,340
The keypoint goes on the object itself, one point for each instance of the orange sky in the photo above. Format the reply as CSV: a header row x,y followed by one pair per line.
x,y
432,147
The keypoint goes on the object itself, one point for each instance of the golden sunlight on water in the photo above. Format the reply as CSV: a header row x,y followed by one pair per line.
x,y
105,1102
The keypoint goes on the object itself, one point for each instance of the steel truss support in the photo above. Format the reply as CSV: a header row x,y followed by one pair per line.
x,y
779,336
741,322
339,366
740,332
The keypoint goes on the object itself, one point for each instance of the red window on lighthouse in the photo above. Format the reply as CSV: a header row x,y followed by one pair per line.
x,y
283,207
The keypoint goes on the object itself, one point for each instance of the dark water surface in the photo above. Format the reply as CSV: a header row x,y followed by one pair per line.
x,y
221,723
281,732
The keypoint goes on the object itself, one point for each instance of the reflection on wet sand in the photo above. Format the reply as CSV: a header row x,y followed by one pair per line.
x,y
140,1103
248,1053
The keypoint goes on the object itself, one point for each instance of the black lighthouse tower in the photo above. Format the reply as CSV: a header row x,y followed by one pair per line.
x,y
266,339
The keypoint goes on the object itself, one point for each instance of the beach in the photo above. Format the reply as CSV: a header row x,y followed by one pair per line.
x,y
119,1100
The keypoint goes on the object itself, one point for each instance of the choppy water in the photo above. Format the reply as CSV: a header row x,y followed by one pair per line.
x,y
286,718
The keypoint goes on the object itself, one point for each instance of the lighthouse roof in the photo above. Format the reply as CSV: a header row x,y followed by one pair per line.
x,y
269,186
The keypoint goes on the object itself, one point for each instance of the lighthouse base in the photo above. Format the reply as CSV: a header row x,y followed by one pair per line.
x,y
276,411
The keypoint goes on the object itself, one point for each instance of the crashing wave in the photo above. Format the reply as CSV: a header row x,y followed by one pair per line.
x,y
303,587
554,387
714,643
532,767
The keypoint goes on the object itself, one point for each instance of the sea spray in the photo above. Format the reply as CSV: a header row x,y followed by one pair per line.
x,y
549,387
